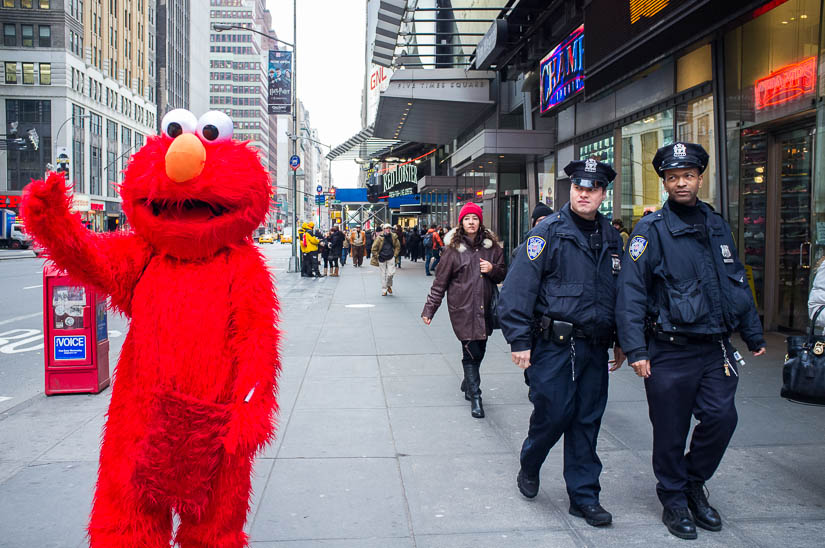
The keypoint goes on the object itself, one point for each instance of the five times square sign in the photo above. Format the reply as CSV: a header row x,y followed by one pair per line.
x,y
561,72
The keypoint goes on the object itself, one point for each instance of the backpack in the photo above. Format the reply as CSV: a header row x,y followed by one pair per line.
x,y
428,240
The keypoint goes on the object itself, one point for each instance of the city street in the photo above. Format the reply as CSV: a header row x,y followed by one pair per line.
x,y
376,447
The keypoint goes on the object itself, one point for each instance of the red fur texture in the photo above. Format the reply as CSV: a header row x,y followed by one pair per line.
x,y
202,307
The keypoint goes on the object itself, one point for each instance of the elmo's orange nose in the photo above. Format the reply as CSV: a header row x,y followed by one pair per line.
x,y
185,158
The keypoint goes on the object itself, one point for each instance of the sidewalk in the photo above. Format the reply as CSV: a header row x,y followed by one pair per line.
x,y
16,254
377,449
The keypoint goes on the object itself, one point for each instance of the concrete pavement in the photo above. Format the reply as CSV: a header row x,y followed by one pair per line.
x,y
377,449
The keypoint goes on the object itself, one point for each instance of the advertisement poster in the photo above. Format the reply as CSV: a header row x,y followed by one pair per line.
x,y
280,82
68,303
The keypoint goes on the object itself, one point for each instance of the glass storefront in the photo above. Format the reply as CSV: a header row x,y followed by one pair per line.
x,y
546,170
642,188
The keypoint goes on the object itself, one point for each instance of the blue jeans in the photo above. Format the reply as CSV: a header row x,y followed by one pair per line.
x,y
344,253
428,254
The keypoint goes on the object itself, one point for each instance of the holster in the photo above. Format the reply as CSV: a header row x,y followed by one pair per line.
x,y
555,331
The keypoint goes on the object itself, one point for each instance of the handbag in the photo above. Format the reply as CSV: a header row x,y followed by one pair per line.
x,y
492,309
803,374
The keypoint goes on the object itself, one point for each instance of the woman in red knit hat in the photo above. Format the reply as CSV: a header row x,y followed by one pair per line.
x,y
472,262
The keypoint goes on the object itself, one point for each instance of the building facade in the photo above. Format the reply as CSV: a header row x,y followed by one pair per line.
x,y
83,75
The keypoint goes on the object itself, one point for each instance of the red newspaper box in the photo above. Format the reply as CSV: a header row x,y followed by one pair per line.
x,y
76,335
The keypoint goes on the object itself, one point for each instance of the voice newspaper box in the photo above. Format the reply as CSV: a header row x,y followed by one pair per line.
x,y
76,335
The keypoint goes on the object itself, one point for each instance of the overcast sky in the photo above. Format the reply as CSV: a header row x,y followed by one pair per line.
x,y
330,68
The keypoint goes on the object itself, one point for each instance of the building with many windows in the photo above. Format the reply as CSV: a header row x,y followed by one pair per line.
x,y
82,74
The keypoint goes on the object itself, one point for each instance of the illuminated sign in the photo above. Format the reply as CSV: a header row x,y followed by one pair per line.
x,y
786,84
645,8
401,181
562,71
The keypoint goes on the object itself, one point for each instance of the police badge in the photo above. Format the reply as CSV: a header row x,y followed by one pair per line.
x,y
679,150
590,165
535,245
726,255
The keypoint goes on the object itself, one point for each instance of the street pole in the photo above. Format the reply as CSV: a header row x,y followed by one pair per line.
x,y
294,265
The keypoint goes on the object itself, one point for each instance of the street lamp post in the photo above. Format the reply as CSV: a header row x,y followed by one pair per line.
x,y
219,27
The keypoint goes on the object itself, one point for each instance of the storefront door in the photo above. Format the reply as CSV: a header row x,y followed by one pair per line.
x,y
513,221
776,174
794,172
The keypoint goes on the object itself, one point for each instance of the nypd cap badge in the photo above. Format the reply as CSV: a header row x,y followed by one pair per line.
x,y
636,247
535,245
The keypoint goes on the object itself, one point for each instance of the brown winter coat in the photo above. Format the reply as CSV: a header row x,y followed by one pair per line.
x,y
468,290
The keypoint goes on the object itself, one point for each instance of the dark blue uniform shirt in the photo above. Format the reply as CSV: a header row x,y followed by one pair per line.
x,y
685,278
556,273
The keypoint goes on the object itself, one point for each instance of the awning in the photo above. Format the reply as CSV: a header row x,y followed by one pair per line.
x,y
432,105
363,145
494,148
388,25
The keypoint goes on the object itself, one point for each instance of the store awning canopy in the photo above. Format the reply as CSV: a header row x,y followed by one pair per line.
x,y
387,27
363,145
432,105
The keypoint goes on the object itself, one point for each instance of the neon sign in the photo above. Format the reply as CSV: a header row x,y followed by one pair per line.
x,y
786,84
645,8
562,71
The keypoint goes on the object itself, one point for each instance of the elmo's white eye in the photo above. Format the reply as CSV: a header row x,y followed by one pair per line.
x,y
178,121
215,126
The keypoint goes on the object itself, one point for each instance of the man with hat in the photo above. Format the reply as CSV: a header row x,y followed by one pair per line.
x,y
556,311
682,293
384,250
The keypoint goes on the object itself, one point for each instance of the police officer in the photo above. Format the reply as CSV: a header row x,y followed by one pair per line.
x,y
557,313
682,292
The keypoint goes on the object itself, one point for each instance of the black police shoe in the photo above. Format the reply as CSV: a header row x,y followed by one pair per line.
x,y
679,523
704,514
529,486
593,514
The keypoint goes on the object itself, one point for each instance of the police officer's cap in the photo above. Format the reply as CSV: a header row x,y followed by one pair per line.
x,y
680,156
590,173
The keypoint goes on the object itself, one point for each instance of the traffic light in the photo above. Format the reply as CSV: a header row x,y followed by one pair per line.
x,y
373,192
326,200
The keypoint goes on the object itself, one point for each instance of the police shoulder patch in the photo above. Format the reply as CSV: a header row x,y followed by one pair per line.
x,y
636,247
535,245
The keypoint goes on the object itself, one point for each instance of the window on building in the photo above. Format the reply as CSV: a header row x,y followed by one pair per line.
x,y
641,186
8,3
78,140
26,4
694,124
45,36
27,164
9,35
28,73
27,33
601,150
45,4
45,74
11,72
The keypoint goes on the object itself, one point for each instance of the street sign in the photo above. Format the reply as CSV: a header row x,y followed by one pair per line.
x,y
319,189
294,162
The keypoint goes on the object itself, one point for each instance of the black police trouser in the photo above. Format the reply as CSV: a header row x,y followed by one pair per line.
x,y
687,380
571,406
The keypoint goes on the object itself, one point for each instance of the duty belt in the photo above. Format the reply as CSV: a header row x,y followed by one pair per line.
x,y
684,339
578,332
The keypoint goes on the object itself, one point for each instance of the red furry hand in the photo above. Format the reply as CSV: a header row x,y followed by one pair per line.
x,y
42,199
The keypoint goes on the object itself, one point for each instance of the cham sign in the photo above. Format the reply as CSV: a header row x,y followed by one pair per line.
x,y
786,84
561,72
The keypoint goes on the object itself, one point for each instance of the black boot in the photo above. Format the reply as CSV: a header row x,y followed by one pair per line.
x,y
678,521
463,388
704,514
473,391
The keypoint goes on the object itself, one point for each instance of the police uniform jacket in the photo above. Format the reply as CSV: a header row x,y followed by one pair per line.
x,y
555,273
685,278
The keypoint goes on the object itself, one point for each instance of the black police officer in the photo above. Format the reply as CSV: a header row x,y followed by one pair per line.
x,y
557,313
682,292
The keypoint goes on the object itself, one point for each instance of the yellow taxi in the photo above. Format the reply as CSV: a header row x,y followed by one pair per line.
x,y
286,239
266,239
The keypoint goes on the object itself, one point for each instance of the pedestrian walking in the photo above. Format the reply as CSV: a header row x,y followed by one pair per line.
x,y
619,225
344,251
306,263
357,241
557,313
399,232
414,244
680,297
433,243
370,238
336,244
324,251
473,263
384,250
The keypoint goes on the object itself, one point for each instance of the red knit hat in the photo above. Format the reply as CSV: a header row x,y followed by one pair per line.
x,y
470,207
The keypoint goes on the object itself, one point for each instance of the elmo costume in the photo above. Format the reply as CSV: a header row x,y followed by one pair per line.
x,y
194,396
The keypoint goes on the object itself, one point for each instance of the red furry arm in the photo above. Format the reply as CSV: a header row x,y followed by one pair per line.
x,y
255,348
111,262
